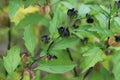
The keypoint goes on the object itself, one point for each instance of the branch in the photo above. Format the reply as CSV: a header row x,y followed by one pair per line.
x,y
71,58
87,73
109,24
30,66
9,38
43,56
51,45
9,35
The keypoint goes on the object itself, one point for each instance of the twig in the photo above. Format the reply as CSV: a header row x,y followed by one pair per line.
x,y
70,56
87,73
34,62
51,45
43,56
9,35
109,17
9,38
109,24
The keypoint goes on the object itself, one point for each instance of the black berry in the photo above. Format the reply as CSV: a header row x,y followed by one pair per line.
x,y
117,3
50,57
61,30
64,32
76,23
90,20
45,38
117,38
72,12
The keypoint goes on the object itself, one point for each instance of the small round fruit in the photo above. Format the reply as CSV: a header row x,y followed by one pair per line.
x,y
117,3
45,38
72,12
61,30
117,38
90,20
64,32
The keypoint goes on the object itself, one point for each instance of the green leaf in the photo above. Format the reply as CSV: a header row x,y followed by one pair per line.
x,y
101,9
26,77
117,19
82,33
60,54
78,78
90,58
14,5
102,19
30,38
37,75
96,75
32,19
2,69
14,76
103,32
65,43
116,24
53,77
116,68
42,1
59,17
67,4
43,53
29,2
56,66
83,9
12,60
54,2
106,74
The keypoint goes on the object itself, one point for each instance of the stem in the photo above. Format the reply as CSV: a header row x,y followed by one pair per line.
x,y
109,17
109,22
87,73
9,35
34,62
9,38
71,58
43,56
51,45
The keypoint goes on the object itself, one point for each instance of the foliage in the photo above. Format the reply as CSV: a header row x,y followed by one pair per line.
x,y
60,40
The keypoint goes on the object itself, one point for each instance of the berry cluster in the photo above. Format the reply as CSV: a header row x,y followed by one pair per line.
x,y
72,12
64,32
117,3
